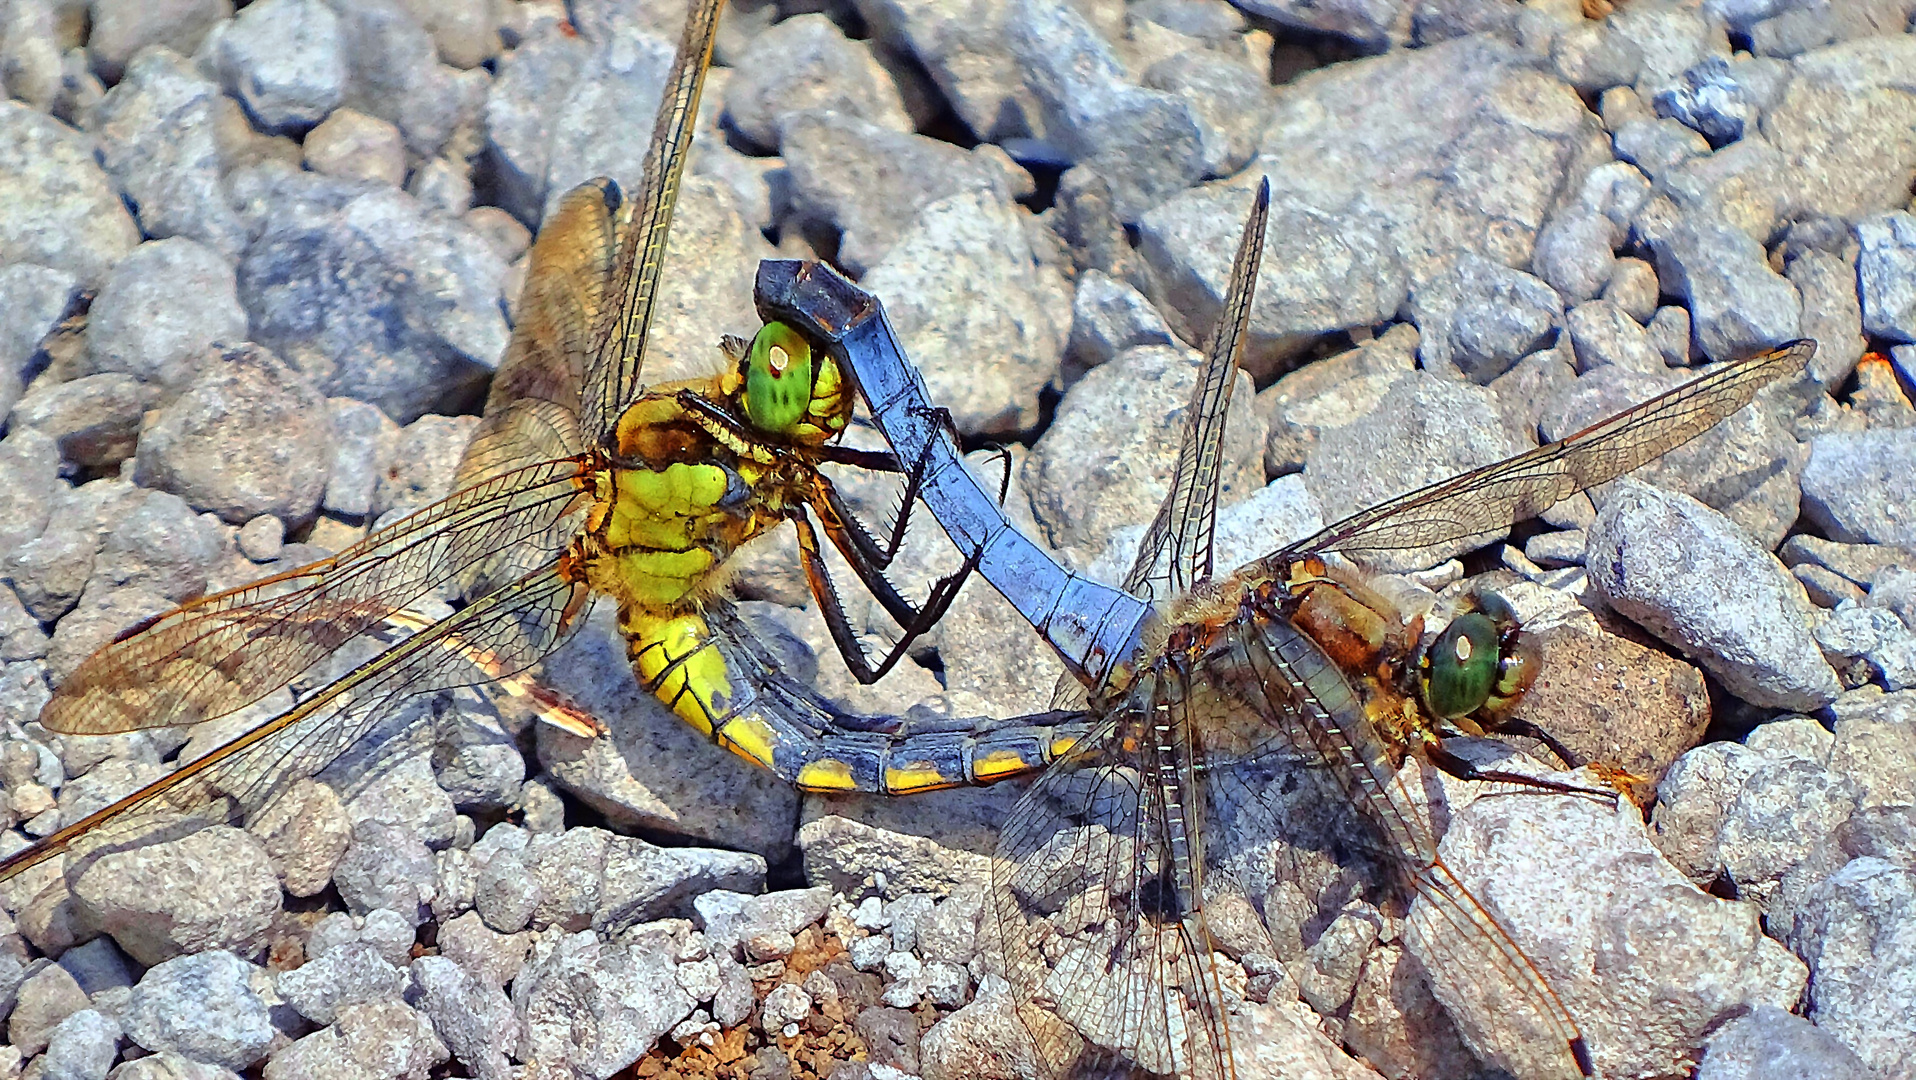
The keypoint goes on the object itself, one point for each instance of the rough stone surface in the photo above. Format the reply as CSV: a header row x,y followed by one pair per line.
x,y
246,437
165,308
62,210
1675,567
981,316
206,1006
160,140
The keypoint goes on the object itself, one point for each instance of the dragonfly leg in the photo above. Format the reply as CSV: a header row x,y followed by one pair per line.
x,y
1467,770
868,558
1528,730
914,625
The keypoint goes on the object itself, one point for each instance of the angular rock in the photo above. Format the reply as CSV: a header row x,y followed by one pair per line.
x,y
352,974
1857,486
1367,23
95,418
33,301
1147,144
1232,104
1855,933
248,436
1886,275
473,1018
1459,147
62,210
354,146
162,546
1847,124
1574,878
386,867
806,63
395,75
1688,576
44,1000
159,140
120,30
1106,460
164,308
1108,316
1424,429
1769,1043
1737,304
964,49
983,319
1321,272
381,1039
591,878
285,61
1605,335
1832,312
211,890
871,182
377,300
596,1006
205,1006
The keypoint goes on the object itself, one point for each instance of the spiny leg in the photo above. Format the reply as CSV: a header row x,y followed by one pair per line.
x,y
869,549
1468,770
868,559
843,636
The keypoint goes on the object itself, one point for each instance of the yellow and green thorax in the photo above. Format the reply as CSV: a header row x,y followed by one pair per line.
x,y
700,467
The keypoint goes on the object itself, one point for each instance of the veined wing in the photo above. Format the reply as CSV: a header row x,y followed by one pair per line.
x,y
1109,962
532,411
1303,702
1502,494
1187,517
1188,514
514,626
225,651
612,376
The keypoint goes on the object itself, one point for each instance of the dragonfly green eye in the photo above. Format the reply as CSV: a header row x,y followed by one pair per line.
x,y
778,379
1462,666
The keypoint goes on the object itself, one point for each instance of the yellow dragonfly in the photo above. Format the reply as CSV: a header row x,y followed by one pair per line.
x,y
580,480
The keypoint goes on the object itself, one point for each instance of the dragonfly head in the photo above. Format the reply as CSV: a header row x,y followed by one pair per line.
x,y
792,391
1480,665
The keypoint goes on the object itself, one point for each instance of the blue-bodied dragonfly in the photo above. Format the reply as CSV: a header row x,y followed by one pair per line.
x,y
1111,873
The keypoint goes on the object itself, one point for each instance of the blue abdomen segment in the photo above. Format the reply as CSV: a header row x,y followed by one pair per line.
x,y
1093,626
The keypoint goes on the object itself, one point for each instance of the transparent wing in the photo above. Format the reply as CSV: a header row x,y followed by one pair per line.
x,y
612,377
513,627
1299,700
1188,515
1497,496
532,411
1111,970
222,652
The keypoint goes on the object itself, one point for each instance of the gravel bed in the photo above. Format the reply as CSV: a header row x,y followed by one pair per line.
x,y
256,267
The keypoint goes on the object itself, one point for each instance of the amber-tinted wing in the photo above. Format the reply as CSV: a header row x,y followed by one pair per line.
x,y
1111,971
612,377
225,651
512,628
532,411
1500,495
1188,515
